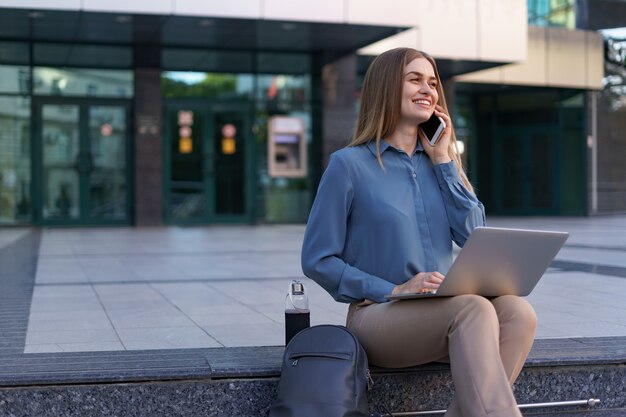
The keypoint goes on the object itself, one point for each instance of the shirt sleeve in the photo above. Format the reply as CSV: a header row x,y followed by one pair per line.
x,y
325,237
463,209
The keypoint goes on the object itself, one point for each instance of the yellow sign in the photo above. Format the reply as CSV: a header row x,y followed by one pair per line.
x,y
185,145
228,146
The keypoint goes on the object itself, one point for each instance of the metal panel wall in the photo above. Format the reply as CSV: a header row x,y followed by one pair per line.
x,y
556,58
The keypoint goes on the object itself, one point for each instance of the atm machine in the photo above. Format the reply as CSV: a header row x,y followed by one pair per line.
x,y
286,147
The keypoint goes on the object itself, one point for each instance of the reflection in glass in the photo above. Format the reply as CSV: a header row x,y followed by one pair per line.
x,y
15,203
14,79
552,13
107,180
207,85
291,90
61,161
83,82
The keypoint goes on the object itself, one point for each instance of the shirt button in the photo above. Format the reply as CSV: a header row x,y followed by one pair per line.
x,y
414,174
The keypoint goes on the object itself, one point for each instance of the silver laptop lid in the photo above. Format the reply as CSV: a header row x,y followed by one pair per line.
x,y
499,261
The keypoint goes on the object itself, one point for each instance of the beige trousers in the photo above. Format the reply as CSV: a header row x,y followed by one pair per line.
x,y
485,341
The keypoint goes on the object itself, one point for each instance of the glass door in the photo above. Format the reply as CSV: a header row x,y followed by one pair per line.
x,y
229,165
526,168
62,162
186,186
107,190
82,162
207,163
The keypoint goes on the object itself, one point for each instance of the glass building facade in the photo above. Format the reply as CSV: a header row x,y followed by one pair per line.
x,y
526,147
79,121
15,127
64,134
552,13
105,117
198,188
121,119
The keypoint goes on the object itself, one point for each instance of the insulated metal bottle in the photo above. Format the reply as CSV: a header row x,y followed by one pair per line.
x,y
297,313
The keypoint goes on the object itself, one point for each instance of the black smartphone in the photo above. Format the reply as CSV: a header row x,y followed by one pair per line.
x,y
433,128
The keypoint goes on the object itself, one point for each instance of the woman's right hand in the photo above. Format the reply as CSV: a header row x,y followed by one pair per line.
x,y
422,282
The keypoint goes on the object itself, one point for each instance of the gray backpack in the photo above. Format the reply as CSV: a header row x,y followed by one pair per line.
x,y
324,374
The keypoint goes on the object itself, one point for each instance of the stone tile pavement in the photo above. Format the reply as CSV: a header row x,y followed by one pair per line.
x,y
102,289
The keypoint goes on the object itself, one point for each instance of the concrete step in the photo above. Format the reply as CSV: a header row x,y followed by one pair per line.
x,y
227,382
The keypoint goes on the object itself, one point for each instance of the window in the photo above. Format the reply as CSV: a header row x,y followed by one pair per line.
x,y
15,204
552,13
83,82
180,84
14,79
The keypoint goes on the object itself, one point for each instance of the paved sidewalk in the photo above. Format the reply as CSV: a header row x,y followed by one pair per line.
x,y
171,287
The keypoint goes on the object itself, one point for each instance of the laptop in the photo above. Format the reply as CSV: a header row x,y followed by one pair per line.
x,y
497,261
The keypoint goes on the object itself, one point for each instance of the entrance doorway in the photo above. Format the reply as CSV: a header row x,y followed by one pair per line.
x,y
82,162
208,162
526,166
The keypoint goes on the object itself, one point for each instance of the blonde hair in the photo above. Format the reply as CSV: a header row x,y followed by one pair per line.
x,y
381,99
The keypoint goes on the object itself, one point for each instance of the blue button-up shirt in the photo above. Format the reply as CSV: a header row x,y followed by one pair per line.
x,y
371,229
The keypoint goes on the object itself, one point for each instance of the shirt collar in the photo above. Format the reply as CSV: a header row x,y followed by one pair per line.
x,y
384,145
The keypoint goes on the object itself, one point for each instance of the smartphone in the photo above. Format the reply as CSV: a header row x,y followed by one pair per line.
x,y
433,128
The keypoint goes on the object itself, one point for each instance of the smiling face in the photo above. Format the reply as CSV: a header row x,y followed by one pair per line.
x,y
419,92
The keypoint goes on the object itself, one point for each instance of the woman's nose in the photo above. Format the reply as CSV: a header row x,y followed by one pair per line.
x,y
425,89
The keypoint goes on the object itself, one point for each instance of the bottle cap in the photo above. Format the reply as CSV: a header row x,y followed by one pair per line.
x,y
297,298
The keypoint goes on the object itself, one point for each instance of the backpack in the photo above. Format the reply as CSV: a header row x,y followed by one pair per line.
x,y
324,374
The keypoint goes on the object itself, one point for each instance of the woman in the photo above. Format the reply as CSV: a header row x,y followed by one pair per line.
x,y
387,210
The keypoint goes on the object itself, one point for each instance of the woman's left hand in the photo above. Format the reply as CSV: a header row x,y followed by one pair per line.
x,y
421,282
438,154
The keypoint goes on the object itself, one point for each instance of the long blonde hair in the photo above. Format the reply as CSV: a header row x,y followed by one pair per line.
x,y
381,99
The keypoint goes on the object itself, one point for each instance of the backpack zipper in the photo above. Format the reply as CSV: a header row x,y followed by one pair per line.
x,y
331,355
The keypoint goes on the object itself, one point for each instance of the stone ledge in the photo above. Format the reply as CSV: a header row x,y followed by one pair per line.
x,y
242,381
246,362
412,390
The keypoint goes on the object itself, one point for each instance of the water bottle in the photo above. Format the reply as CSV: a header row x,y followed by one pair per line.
x,y
297,314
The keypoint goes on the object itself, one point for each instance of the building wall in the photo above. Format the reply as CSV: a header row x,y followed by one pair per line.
x,y
484,30
148,140
556,58
608,193
610,186
527,149
479,30
340,97
493,31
